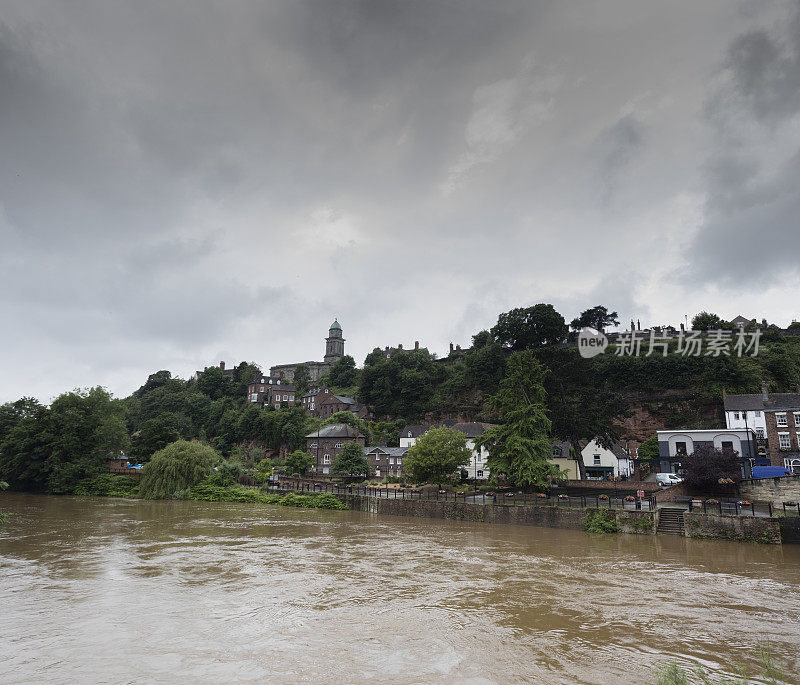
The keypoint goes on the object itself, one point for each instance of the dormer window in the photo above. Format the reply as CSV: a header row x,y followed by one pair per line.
x,y
410,434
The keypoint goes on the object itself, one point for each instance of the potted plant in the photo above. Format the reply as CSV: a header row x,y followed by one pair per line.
x,y
630,498
712,501
542,495
790,503
603,497
744,503
563,496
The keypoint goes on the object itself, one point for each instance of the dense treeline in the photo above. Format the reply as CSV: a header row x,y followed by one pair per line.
x,y
53,448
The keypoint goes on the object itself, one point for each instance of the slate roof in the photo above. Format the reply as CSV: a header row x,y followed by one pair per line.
x,y
776,401
472,430
345,400
335,430
416,430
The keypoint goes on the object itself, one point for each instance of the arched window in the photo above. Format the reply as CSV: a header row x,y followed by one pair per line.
x,y
338,445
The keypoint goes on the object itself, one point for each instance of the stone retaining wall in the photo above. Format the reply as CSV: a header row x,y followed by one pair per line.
x,y
738,528
775,490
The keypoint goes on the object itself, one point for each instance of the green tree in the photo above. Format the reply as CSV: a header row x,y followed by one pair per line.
x,y
351,461
437,455
482,339
214,383
343,373
530,327
301,380
648,450
597,317
350,419
298,462
520,448
705,321
156,434
177,466
263,471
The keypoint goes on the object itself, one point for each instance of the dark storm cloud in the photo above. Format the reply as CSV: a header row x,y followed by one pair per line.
x,y
753,193
186,180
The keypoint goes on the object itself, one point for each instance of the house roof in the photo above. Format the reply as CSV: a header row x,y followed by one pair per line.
x,y
775,401
335,430
472,430
388,451
415,430
345,400
742,320
564,447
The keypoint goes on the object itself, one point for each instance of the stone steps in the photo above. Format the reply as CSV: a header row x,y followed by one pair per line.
x,y
670,521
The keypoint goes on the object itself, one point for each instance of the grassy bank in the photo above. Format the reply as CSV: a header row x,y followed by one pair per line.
x,y
109,485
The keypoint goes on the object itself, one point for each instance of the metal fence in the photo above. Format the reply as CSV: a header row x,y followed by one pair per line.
x,y
728,506
499,498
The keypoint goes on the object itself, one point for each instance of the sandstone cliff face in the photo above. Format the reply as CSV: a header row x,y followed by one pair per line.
x,y
651,412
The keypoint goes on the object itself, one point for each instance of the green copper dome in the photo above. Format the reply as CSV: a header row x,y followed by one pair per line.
x,y
335,325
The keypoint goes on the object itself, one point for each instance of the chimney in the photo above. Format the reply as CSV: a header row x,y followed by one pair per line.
x,y
451,347
222,365
638,325
387,349
764,323
399,346
724,393
764,391
458,348
682,328
416,344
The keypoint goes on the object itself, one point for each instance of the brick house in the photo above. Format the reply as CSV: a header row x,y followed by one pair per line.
x,y
386,461
269,390
783,433
775,417
323,404
327,443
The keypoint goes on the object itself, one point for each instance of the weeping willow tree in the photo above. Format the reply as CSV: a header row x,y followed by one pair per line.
x,y
178,466
521,447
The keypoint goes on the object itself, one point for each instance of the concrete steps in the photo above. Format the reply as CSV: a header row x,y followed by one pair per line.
x,y
670,521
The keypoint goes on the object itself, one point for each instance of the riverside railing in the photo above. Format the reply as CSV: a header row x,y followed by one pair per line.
x,y
505,499
739,507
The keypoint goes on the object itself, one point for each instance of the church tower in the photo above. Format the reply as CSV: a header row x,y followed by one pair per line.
x,y
334,343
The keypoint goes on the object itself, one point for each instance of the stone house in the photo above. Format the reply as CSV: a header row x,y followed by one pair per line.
x,y
327,443
334,350
386,461
270,390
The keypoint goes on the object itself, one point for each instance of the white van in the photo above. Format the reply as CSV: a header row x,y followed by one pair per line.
x,y
665,479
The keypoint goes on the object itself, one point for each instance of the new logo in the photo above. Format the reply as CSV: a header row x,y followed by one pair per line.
x,y
591,343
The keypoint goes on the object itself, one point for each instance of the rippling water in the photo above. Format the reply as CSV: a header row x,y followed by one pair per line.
x,y
119,591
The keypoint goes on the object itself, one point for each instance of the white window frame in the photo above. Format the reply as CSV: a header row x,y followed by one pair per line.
x,y
326,458
788,444
796,418
781,419
338,445
736,416
391,461
314,444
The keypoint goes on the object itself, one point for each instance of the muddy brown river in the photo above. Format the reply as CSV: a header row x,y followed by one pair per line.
x,y
120,591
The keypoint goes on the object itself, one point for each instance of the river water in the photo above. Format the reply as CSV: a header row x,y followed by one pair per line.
x,y
121,591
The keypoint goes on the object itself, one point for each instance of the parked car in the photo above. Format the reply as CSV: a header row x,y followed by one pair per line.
x,y
666,479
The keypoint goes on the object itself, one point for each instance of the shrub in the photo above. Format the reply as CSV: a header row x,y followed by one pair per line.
x,y
600,522
178,466
108,485
328,501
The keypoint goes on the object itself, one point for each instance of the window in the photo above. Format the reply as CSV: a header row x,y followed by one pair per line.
x,y
780,419
391,461
760,432
313,444
727,445
597,460
399,461
377,457
736,416
410,434
792,464
784,441
377,471
286,398
326,459
262,388
480,474
479,457
338,445
797,418
758,414
680,448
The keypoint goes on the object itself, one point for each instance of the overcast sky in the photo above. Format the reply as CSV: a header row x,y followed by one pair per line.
x,y
184,182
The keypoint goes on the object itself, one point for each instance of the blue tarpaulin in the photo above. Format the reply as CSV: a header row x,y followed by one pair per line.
x,y
770,471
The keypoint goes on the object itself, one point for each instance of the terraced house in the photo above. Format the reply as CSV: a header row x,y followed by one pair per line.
x,y
327,443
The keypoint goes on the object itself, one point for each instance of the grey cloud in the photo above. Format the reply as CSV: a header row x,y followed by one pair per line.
x,y
753,197
620,143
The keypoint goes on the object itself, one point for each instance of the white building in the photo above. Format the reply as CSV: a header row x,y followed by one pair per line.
x,y
601,462
477,468
746,412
